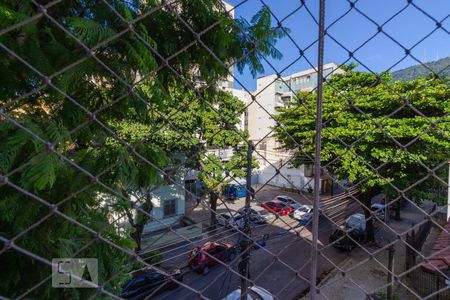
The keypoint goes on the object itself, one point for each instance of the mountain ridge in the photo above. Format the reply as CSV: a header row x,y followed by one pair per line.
x,y
440,67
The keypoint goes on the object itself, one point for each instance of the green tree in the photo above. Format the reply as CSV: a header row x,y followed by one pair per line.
x,y
201,127
216,173
53,101
377,133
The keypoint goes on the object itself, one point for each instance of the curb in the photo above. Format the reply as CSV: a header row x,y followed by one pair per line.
x,y
328,276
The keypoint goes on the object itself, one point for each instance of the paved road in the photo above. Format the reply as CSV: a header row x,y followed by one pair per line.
x,y
291,246
273,275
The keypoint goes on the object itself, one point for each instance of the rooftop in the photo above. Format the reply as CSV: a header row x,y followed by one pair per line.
x,y
440,257
305,72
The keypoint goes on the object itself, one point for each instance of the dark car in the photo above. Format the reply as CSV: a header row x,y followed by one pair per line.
x,y
142,286
277,207
201,262
343,241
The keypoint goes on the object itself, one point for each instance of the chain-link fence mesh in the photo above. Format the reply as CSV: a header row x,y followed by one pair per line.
x,y
137,161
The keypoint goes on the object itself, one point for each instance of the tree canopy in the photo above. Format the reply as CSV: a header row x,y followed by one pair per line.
x,y
377,134
98,82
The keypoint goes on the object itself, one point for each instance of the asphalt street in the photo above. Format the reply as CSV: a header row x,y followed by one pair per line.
x,y
282,266
273,267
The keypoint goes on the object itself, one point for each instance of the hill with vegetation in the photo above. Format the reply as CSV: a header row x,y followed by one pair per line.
x,y
419,70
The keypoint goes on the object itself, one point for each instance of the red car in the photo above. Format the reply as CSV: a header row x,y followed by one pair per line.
x,y
222,251
277,207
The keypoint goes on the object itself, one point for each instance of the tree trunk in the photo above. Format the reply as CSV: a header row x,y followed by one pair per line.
x,y
141,219
366,199
213,205
136,235
397,209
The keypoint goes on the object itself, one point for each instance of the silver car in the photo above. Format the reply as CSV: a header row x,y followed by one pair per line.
x,y
288,201
258,214
230,219
302,210
254,293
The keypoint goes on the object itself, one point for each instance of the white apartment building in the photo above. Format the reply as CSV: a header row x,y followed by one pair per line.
x,y
272,92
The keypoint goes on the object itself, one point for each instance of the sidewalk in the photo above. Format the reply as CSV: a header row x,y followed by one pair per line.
x,y
365,276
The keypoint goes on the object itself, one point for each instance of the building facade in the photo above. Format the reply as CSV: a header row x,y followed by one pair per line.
x,y
273,92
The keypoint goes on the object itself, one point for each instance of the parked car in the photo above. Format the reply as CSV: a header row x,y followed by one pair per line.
x,y
201,262
234,191
343,241
288,201
230,220
303,209
379,210
277,207
258,214
305,218
355,225
142,286
356,222
254,293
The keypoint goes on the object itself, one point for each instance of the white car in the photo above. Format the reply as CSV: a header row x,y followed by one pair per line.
x,y
306,218
288,201
254,293
302,210
258,214
230,219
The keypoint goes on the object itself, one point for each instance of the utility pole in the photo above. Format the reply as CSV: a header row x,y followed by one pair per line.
x,y
245,243
317,154
390,271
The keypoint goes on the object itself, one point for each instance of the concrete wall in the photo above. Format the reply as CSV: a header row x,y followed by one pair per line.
x,y
288,177
245,98
159,196
259,120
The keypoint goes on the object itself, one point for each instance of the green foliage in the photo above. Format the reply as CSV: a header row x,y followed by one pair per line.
x,y
60,114
362,136
153,257
215,172
255,34
384,295
88,31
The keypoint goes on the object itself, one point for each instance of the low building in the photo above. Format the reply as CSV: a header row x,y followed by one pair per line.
x,y
168,202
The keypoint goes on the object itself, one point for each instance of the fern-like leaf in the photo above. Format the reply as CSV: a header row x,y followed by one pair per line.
x,y
89,32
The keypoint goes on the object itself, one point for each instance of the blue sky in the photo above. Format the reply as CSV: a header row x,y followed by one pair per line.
x,y
381,53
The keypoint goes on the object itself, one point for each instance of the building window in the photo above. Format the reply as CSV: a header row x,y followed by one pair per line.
x,y
170,208
262,146
308,78
286,100
309,170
